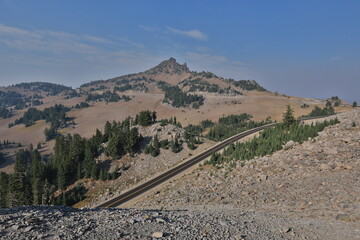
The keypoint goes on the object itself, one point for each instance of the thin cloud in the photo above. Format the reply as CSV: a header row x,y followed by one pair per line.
x,y
147,28
40,46
194,33
132,43
96,39
16,31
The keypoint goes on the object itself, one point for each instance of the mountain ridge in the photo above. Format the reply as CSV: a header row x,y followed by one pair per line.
x,y
169,71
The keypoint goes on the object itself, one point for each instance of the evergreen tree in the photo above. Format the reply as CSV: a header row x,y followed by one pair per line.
x,y
61,177
154,151
98,137
103,175
107,132
175,146
37,191
46,192
288,117
153,116
18,193
132,140
147,149
4,189
89,161
190,145
156,143
115,147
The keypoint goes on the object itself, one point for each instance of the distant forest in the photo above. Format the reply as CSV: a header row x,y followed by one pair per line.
x,y
198,84
107,97
321,112
249,85
226,126
177,98
51,89
56,115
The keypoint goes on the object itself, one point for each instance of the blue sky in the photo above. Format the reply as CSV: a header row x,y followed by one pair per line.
x,y
302,48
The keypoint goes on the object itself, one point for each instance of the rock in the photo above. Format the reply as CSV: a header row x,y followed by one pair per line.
x,y
289,144
28,229
342,217
160,220
263,178
223,223
331,151
285,229
15,227
158,234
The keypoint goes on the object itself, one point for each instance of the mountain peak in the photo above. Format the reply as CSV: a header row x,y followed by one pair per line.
x,y
170,66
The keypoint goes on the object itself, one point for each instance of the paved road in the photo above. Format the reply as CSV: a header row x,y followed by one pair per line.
x,y
176,170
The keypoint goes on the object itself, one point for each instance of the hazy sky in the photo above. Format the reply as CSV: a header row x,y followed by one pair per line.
x,y
303,48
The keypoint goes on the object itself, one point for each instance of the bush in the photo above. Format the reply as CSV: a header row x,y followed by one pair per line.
x,y
164,144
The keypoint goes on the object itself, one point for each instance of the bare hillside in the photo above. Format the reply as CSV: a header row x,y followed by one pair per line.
x,y
317,180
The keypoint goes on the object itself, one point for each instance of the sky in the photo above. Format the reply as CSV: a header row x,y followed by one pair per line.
x,y
298,47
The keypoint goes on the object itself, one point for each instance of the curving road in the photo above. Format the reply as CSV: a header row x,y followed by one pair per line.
x,y
122,198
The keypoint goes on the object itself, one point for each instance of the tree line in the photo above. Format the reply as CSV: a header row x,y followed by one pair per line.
x,y
177,98
5,113
226,126
270,140
249,85
321,112
56,115
107,96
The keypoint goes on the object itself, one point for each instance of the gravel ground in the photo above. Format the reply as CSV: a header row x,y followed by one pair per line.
x,y
222,223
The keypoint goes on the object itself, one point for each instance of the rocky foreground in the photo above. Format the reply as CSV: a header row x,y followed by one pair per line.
x,y
316,180
306,191
67,223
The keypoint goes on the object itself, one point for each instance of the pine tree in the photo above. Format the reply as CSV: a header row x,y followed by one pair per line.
x,y
154,116
95,172
288,117
17,195
102,175
4,189
37,191
63,199
190,145
46,192
156,143
61,177
115,147
175,146
98,137
132,140
78,172
107,132
89,160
